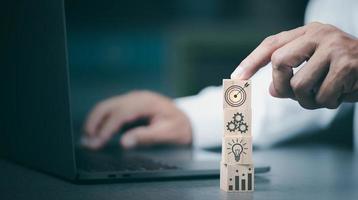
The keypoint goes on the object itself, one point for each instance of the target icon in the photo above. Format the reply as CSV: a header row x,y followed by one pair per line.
x,y
235,96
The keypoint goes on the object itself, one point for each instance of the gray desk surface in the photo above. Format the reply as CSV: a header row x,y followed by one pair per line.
x,y
297,173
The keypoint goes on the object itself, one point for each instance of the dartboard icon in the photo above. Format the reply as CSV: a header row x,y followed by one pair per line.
x,y
235,96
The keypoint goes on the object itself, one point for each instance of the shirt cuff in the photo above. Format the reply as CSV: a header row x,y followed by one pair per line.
x,y
206,117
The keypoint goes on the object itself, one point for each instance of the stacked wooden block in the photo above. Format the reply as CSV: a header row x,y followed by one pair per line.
x,y
236,167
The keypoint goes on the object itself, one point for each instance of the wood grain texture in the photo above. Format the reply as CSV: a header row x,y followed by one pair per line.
x,y
236,170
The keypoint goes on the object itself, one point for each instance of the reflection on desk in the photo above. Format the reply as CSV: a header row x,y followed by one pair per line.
x,y
314,172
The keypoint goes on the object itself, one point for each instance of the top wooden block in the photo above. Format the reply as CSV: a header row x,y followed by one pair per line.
x,y
237,93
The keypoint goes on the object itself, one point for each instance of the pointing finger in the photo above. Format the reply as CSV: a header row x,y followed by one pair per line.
x,y
262,54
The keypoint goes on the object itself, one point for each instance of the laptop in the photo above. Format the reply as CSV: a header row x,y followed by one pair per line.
x,y
41,133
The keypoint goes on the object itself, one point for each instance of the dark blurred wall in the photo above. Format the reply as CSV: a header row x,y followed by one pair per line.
x,y
174,47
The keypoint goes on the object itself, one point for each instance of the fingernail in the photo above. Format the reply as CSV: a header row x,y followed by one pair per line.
x,y
90,142
237,72
84,141
129,141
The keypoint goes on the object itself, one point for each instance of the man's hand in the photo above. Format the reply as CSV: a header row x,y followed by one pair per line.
x,y
329,76
167,124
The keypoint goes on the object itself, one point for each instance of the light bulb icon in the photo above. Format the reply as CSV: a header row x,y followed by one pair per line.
x,y
237,148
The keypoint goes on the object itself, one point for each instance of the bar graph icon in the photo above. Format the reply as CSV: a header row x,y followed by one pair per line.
x,y
238,178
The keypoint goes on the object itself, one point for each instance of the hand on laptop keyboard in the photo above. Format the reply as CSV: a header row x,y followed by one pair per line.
x,y
167,124
102,162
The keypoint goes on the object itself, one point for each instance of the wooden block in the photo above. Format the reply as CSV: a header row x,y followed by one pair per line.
x,y
237,122
237,178
236,169
224,180
237,150
237,93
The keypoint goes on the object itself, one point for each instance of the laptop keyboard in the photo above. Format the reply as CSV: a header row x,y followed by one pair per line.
x,y
102,162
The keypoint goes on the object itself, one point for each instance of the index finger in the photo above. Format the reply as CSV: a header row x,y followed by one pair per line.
x,y
261,56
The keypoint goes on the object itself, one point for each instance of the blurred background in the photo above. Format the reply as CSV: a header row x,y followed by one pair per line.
x,y
174,47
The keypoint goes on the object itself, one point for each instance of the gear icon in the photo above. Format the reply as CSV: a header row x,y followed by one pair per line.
x,y
242,127
231,126
238,117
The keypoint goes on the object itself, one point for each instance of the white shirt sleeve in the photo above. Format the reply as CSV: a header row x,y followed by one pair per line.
x,y
340,13
276,120
273,120
206,116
